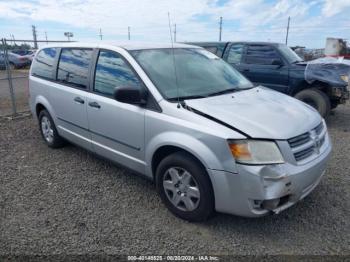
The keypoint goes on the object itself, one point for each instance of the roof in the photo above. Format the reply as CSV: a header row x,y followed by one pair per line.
x,y
242,42
130,45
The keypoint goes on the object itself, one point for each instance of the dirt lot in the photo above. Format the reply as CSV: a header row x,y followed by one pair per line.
x,y
69,201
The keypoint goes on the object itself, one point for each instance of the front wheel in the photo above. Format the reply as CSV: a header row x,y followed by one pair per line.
x,y
184,187
317,99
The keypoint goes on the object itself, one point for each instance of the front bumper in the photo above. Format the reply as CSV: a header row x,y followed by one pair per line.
x,y
258,190
341,94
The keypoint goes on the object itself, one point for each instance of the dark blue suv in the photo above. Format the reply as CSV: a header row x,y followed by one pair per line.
x,y
276,66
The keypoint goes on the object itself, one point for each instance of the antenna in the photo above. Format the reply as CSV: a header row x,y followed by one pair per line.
x,y
172,48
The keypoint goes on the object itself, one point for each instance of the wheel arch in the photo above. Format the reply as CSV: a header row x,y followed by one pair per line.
x,y
168,143
42,103
320,85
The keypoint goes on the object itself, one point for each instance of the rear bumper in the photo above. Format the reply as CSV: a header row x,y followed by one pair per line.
x,y
259,190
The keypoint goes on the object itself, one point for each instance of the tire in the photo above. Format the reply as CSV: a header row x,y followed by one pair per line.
x,y
317,99
48,130
194,186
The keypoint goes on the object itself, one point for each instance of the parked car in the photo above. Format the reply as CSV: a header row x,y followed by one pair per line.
x,y
25,53
276,66
15,61
185,119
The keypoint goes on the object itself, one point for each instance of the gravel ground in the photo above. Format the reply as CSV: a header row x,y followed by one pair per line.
x,y
68,201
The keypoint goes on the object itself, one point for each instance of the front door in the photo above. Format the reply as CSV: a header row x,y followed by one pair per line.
x,y
260,65
117,129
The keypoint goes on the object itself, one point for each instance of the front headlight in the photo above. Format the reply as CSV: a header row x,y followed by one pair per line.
x,y
345,78
257,152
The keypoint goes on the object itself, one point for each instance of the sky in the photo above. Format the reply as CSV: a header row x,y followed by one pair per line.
x,y
311,22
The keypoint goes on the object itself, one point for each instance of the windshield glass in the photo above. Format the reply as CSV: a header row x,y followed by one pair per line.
x,y
289,54
199,72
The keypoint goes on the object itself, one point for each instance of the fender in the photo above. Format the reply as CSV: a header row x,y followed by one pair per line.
x,y
185,142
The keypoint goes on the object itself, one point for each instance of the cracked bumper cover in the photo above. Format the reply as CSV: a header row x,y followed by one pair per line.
x,y
243,193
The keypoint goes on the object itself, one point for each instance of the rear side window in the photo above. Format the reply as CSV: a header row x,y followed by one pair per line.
x,y
111,72
73,67
43,64
212,49
261,54
235,54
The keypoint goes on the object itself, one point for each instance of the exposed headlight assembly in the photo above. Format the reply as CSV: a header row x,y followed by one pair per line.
x,y
255,152
345,78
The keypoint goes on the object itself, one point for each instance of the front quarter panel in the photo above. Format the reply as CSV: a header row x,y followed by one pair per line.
x,y
206,143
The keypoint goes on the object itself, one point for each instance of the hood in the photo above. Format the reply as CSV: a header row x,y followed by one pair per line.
x,y
260,113
327,70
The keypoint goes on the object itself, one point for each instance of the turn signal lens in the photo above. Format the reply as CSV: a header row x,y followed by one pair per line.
x,y
240,151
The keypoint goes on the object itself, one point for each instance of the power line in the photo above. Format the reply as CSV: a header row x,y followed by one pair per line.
x,y
175,33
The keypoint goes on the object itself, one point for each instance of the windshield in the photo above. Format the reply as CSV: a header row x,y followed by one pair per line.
x,y
289,54
199,72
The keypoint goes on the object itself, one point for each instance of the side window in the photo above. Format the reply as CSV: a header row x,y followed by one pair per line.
x,y
212,49
73,66
261,54
235,54
43,63
111,72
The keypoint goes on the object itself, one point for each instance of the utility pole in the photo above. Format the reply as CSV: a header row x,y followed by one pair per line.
x,y
34,37
220,28
12,38
129,32
287,30
46,37
175,33
101,34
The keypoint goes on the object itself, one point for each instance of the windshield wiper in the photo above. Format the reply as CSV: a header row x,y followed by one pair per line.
x,y
230,90
181,98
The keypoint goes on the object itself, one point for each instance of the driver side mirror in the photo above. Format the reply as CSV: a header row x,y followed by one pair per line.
x,y
134,95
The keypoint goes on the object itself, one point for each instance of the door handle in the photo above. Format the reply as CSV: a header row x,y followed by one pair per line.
x,y
79,100
94,104
246,70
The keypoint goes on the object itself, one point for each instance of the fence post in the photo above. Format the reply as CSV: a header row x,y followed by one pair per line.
x,y
9,76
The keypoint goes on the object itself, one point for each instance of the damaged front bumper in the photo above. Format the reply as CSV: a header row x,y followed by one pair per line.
x,y
341,94
262,189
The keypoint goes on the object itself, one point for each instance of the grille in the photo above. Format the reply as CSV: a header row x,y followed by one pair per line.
x,y
319,129
304,146
299,140
304,153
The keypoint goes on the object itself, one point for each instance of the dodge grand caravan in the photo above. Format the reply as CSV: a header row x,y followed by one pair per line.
x,y
184,118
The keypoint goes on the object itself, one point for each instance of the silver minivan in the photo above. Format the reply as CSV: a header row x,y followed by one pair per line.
x,y
184,118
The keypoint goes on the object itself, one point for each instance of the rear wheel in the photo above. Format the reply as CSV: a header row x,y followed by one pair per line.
x,y
184,187
48,130
317,99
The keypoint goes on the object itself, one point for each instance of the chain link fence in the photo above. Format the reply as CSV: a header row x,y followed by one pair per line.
x,y
15,60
